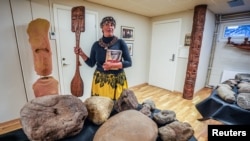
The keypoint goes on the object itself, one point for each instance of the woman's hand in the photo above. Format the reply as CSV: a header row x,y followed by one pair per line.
x,y
79,51
112,65
107,66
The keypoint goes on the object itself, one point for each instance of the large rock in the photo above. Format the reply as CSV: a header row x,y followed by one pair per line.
x,y
176,131
53,117
128,125
226,93
243,100
126,101
147,107
99,108
244,87
164,117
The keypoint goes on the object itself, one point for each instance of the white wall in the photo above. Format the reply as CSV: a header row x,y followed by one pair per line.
x,y
12,96
205,51
228,58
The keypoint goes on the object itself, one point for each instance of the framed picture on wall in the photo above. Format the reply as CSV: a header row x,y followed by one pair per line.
x,y
130,48
127,33
187,39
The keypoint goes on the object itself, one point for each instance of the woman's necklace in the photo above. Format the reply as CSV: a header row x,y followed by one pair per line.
x,y
107,45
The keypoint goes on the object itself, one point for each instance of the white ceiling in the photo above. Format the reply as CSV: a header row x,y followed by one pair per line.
x,y
151,8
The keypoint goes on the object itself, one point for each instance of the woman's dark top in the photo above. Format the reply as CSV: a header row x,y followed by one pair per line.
x,y
98,54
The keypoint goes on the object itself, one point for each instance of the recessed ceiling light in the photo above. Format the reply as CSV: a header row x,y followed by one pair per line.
x,y
234,3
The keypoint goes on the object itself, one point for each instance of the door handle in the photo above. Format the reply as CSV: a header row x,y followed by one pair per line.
x,y
173,57
64,64
64,60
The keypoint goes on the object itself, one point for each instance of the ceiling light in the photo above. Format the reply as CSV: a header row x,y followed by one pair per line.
x,y
234,3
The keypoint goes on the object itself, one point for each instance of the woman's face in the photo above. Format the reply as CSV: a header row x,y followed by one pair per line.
x,y
108,29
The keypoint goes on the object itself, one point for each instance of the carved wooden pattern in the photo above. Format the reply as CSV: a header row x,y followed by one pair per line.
x,y
194,51
244,45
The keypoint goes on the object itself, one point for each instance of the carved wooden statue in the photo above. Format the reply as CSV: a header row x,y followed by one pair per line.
x,y
38,38
39,41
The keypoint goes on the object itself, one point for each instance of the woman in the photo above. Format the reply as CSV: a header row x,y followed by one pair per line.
x,y
109,78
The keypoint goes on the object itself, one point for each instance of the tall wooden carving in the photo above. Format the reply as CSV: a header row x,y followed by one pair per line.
x,y
38,38
194,51
77,26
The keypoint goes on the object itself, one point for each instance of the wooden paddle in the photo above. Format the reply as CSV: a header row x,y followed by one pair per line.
x,y
77,26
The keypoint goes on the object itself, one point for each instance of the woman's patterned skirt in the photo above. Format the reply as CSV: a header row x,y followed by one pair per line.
x,y
108,85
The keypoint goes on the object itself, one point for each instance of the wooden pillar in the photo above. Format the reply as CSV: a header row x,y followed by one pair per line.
x,y
194,51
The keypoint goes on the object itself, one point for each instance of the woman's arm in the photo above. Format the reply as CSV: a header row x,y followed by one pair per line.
x,y
127,61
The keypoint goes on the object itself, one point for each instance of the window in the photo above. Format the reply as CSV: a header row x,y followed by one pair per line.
x,y
236,31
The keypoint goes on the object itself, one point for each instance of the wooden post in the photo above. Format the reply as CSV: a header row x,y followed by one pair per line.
x,y
194,50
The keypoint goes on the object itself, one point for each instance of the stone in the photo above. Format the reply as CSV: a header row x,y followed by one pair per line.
x,y
126,101
242,76
244,87
226,94
53,117
146,110
243,100
176,131
128,125
164,117
99,108
231,82
150,103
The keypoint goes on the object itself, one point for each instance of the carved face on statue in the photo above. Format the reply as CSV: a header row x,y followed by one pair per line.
x,y
38,38
77,19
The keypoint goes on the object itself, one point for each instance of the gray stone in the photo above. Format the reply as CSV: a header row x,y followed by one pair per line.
x,y
244,87
243,100
242,76
126,101
150,103
146,110
53,117
226,94
164,116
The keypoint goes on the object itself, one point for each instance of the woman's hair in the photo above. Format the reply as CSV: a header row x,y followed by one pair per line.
x,y
108,19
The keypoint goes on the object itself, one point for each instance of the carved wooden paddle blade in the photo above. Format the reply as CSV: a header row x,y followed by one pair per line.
x,y
77,86
78,19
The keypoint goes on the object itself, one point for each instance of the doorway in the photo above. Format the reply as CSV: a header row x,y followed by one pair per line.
x,y
164,50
